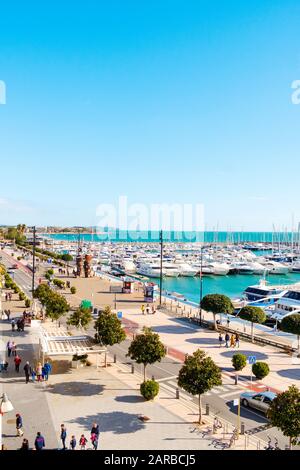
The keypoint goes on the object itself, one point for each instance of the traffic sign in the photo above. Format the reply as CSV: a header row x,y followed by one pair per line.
x,y
236,402
252,360
120,315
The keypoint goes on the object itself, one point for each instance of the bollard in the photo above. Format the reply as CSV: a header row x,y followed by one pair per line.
x,y
177,394
153,378
242,428
236,379
115,358
207,409
132,368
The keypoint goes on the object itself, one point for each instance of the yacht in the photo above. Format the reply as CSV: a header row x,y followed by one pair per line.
x,y
240,267
262,291
288,304
213,268
274,267
129,266
149,270
170,269
185,269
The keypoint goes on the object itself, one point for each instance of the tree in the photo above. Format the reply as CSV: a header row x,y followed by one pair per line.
x,y
56,306
42,292
109,330
81,318
239,362
149,389
217,304
199,375
260,370
284,413
254,315
291,324
146,349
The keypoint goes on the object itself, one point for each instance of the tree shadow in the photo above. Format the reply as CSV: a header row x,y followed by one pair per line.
x,y
290,373
259,417
78,389
172,329
116,422
259,356
130,399
212,341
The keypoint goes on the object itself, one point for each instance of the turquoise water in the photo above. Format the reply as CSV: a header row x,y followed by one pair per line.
x,y
232,285
153,236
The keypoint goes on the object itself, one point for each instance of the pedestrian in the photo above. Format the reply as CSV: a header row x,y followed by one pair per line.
x,y
147,309
237,340
232,341
47,370
28,371
39,442
9,347
227,339
33,375
143,309
6,297
14,349
17,362
228,322
83,442
4,366
43,373
13,325
153,309
95,429
8,314
220,340
94,439
25,445
19,425
39,372
63,436
73,443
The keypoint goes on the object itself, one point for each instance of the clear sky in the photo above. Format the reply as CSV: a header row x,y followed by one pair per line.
x,y
163,101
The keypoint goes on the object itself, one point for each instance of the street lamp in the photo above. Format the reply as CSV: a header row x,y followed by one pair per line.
x,y
5,407
201,285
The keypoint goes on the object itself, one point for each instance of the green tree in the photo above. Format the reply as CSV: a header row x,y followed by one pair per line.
x,y
260,370
239,362
42,292
146,349
253,315
199,375
217,304
81,318
291,324
56,306
284,413
109,330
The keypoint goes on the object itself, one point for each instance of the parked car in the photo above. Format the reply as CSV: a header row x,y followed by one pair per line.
x,y
259,401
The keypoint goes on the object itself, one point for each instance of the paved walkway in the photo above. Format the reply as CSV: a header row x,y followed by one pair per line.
x,y
181,337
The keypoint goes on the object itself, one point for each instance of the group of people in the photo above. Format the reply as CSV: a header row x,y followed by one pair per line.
x,y
147,309
8,296
20,324
94,438
232,341
40,373
39,443
6,314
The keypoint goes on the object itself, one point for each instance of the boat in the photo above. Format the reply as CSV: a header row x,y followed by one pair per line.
x,y
186,269
149,270
274,267
263,291
288,304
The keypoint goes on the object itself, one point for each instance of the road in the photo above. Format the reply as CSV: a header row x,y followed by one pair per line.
x,y
220,399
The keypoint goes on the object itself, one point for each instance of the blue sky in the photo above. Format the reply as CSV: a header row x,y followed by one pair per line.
x,y
162,101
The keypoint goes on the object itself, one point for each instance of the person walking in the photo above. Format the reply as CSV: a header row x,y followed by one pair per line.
x,y
47,370
147,309
13,325
237,340
227,339
17,362
83,442
25,445
28,371
8,314
95,439
153,309
9,348
39,372
19,425
33,375
14,349
63,436
143,309
228,322
220,340
39,442
232,341
73,443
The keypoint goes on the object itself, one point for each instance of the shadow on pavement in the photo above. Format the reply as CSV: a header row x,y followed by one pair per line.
x,y
116,422
130,399
258,355
79,389
290,373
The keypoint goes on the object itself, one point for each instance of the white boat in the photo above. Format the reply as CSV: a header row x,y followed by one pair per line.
x,y
186,269
149,270
288,304
170,270
275,267
240,267
129,266
213,268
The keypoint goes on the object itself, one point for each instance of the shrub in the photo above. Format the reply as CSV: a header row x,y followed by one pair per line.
x,y
239,361
27,303
22,296
73,290
59,283
260,370
19,258
149,389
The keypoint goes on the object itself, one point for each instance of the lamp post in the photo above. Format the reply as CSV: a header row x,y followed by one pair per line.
x,y
161,267
201,285
5,407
